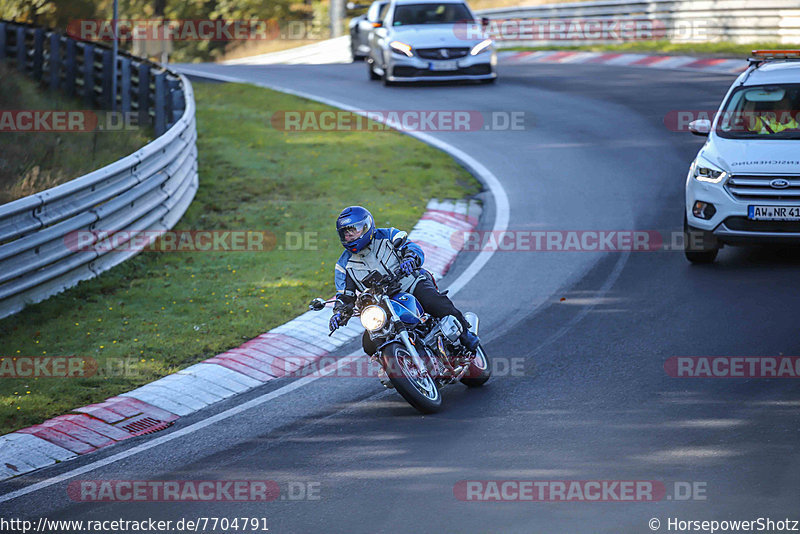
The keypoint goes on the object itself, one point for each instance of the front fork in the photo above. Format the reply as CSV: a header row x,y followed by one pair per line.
x,y
403,333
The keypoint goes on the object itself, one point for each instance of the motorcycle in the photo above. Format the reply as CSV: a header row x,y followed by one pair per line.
x,y
417,354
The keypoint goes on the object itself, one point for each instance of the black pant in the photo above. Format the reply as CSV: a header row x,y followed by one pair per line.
x,y
433,302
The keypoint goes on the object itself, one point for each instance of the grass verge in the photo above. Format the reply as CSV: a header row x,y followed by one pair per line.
x,y
722,49
160,312
31,162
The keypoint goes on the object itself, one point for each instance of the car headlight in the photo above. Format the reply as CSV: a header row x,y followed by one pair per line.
x,y
401,48
481,47
373,318
704,172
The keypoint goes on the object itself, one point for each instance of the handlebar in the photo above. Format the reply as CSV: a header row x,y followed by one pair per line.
x,y
387,281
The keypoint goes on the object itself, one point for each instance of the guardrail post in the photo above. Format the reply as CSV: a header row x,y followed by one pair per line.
x,y
2,41
178,103
125,67
174,88
108,98
88,74
55,60
70,66
144,94
160,102
21,63
38,53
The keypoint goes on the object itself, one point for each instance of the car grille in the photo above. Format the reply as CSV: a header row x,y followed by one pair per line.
x,y
757,187
479,69
442,53
743,224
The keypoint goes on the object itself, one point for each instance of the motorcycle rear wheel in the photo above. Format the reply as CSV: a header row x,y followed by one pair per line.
x,y
418,389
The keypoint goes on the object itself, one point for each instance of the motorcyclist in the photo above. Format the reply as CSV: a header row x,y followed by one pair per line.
x,y
367,249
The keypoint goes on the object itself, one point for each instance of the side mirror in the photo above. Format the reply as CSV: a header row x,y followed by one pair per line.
x,y
316,304
700,127
400,243
484,21
377,24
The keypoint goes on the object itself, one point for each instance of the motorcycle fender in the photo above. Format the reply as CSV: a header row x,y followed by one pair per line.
x,y
388,342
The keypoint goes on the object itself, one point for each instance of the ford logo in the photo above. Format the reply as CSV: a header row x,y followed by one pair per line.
x,y
779,183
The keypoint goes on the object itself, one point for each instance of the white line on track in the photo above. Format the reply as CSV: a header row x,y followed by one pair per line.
x,y
502,213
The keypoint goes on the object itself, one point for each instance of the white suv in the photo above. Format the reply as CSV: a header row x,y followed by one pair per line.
x,y
744,185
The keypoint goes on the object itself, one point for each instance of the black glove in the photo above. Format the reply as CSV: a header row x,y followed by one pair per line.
x,y
336,321
409,263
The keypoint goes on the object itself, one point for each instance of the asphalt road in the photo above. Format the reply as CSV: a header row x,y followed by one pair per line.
x,y
593,401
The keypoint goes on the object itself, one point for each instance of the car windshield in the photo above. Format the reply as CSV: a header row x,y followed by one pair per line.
x,y
762,112
430,13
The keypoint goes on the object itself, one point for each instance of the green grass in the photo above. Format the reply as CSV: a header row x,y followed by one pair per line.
x,y
31,162
160,312
667,47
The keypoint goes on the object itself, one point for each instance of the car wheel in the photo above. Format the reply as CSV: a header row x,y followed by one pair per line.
x,y
370,71
386,80
699,246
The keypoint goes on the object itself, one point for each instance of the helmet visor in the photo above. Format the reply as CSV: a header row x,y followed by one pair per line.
x,y
350,233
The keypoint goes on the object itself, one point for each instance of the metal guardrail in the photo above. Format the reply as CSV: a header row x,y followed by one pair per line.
x,y
146,191
740,21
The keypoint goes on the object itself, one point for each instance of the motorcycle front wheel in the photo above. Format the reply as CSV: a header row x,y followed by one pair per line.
x,y
417,387
479,370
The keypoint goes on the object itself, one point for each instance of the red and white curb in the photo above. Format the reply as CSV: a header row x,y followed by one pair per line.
x,y
688,63
281,351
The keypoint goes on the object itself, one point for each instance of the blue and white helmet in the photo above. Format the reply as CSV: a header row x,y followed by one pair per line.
x,y
356,228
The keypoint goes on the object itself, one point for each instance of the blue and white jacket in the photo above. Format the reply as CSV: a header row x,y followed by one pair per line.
x,y
379,255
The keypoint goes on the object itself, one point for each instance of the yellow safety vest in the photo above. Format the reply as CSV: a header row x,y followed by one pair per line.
x,y
761,127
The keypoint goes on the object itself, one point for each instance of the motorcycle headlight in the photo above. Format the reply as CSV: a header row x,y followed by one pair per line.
x,y
704,172
481,47
401,48
373,318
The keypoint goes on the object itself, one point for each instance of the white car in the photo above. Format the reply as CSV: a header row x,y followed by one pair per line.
x,y
421,40
744,185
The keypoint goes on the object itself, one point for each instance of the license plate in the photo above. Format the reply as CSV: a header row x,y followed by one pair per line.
x,y
444,65
773,213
